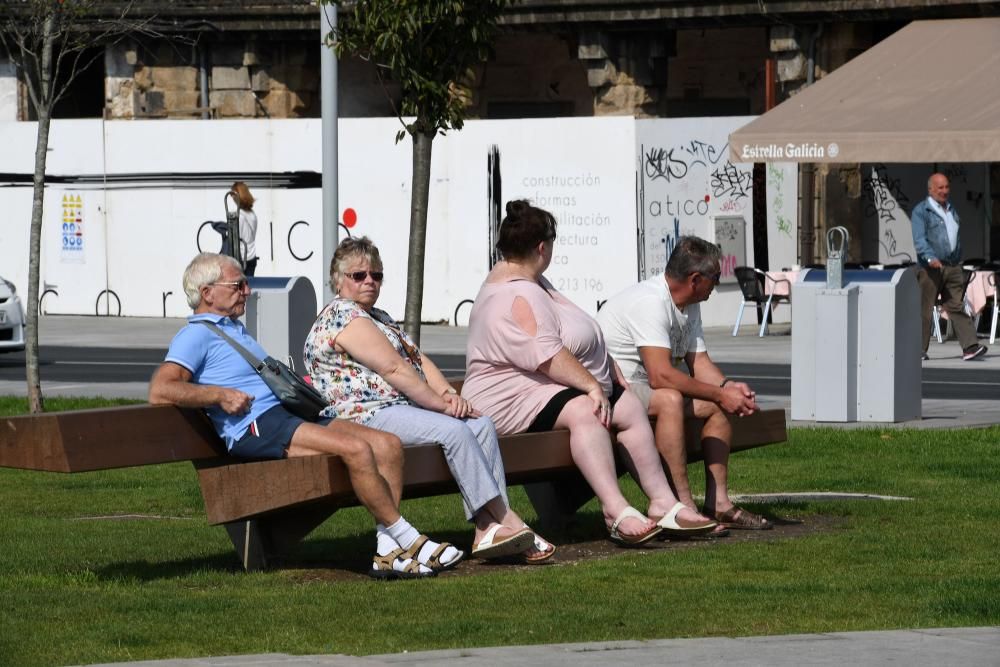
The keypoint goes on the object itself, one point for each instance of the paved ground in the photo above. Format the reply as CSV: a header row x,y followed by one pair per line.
x,y
914,648
774,349
918,648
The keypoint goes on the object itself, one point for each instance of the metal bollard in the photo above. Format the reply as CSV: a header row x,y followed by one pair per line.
x,y
835,256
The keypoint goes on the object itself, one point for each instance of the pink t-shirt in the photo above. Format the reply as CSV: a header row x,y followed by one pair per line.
x,y
502,360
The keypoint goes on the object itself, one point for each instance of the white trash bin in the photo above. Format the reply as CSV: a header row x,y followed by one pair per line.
x,y
280,312
856,350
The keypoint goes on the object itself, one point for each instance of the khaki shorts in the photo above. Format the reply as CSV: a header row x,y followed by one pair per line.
x,y
642,390
645,393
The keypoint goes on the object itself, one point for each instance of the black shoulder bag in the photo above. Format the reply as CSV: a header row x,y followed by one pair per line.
x,y
295,395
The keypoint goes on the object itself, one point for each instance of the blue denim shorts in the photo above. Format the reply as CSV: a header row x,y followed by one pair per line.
x,y
269,435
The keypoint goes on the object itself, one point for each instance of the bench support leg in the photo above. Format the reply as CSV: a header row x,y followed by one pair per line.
x,y
556,502
258,541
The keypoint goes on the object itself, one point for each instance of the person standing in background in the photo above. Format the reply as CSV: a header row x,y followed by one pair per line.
x,y
248,225
935,236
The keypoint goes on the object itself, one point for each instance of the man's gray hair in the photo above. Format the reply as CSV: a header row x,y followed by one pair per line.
x,y
693,255
204,269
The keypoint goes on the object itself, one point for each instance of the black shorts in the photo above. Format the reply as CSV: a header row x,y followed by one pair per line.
x,y
269,435
546,419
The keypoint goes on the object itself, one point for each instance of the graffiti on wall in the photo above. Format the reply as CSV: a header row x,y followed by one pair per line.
x,y
884,200
730,235
776,185
682,185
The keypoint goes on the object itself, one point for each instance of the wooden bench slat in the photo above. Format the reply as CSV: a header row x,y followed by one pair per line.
x,y
234,491
761,428
106,438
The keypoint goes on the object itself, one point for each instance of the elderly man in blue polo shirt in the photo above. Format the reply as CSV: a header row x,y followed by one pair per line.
x,y
202,370
935,236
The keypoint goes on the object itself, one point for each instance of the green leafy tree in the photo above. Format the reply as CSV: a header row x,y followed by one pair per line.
x,y
428,48
51,42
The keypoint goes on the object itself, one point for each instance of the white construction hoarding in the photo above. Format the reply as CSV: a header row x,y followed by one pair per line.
x,y
128,203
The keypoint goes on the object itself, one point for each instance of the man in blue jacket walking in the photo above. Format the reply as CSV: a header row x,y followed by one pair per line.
x,y
935,236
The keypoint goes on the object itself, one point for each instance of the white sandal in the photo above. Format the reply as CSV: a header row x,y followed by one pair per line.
x,y
489,547
632,540
672,526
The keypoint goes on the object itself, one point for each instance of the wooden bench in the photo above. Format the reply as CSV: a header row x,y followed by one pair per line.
x,y
267,507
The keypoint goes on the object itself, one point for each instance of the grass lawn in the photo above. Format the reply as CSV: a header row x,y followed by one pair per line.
x,y
78,587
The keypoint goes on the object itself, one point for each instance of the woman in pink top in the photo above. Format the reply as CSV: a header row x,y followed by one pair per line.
x,y
537,362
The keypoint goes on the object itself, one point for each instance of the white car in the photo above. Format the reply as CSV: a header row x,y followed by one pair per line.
x,y
11,318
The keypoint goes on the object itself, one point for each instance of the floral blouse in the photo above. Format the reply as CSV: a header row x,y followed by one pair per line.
x,y
354,391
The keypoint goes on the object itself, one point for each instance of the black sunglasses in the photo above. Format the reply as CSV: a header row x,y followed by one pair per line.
x,y
359,276
238,285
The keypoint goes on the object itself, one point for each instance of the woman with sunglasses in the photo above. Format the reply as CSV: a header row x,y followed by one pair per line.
x,y
537,362
371,372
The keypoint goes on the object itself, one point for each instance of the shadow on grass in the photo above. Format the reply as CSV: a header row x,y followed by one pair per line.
x,y
581,538
146,570
350,554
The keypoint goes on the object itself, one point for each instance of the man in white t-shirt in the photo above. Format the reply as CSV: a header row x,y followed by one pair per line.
x,y
650,329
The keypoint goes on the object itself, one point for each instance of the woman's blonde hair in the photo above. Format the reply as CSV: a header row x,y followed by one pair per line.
x,y
242,193
348,249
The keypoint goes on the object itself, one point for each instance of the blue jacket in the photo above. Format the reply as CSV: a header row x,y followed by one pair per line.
x,y
930,235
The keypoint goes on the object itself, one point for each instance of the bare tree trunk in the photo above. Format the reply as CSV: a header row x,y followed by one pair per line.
x,y
43,108
35,403
422,144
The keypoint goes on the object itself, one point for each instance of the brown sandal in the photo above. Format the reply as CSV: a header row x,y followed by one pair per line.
x,y
384,567
545,549
741,519
434,562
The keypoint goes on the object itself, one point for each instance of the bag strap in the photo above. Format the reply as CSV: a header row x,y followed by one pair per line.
x,y
254,362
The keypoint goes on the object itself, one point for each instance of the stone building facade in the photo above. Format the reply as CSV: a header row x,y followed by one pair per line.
x,y
260,58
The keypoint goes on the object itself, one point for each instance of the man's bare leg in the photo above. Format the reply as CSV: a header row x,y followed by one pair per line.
x,y
716,436
667,406
362,458
371,488
388,451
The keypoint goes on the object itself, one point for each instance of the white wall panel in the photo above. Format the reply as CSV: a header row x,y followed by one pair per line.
x,y
579,169
164,179
8,92
686,180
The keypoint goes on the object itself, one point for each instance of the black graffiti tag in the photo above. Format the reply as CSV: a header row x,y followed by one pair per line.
x,y
726,229
882,194
661,163
703,152
730,181
889,244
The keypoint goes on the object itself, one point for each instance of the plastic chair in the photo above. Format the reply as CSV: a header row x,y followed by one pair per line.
x,y
968,274
752,283
996,308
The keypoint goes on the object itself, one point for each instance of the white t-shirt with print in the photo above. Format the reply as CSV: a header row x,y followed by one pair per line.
x,y
645,315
